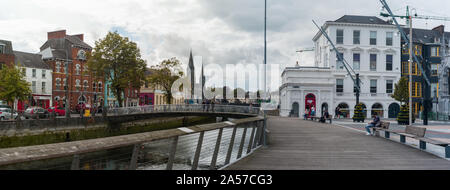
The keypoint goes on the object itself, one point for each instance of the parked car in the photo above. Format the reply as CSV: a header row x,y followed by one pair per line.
x,y
59,111
35,112
5,114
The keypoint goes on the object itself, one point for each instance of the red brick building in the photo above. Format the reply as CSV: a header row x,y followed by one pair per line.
x,y
6,53
61,49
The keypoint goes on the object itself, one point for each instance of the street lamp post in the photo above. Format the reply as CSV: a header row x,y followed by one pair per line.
x,y
66,87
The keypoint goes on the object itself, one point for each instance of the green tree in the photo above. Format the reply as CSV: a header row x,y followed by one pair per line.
x,y
13,85
116,59
401,92
165,74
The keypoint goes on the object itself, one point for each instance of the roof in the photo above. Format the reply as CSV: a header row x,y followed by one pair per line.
x,y
425,36
362,20
60,46
8,48
30,60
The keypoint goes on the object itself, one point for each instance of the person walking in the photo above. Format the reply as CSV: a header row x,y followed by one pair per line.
x,y
376,121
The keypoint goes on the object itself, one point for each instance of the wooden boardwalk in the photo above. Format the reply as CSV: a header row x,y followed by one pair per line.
x,y
304,145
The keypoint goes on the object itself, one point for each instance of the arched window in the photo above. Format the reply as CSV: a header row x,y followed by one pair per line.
x,y
100,86
58,67
94,86
77,84
78,69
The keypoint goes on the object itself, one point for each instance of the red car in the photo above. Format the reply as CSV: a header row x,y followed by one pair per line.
x,y
59,111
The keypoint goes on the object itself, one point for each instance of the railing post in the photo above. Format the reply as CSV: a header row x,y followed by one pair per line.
x,y
75,162
422,145
250,143
265,128
257,138
134,156
387,134
402,138
447,151
230,147
216,150
173,150
241,146
198,150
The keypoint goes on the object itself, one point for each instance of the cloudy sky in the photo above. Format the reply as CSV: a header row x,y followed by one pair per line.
x,y
221,31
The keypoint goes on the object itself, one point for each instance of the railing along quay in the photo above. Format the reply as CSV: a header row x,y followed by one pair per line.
x,y
209,146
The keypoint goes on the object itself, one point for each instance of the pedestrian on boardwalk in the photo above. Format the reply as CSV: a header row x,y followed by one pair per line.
x,y
376,121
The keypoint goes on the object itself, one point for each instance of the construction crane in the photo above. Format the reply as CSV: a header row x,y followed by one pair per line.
x,y
409,42
347,66
304,50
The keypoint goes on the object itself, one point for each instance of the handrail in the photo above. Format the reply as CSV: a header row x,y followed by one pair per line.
x,y
42,152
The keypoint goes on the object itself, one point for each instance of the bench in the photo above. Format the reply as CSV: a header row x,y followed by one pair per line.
x,y
314,118
415,133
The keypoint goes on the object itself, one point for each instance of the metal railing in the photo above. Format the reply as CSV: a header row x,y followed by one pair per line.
x,y
203,147
184,108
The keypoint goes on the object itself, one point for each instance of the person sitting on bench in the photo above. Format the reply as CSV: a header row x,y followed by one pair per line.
x,y
376,121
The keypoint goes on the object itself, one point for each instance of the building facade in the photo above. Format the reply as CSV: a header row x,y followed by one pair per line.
x,y
430,47
61,51
371,47
39,75
6,56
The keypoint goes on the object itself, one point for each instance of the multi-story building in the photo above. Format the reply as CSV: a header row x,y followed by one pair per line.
x,y
429,48
6,56
371,46
61,51
130,97
147,93
39,75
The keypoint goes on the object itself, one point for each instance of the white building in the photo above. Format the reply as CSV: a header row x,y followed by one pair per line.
x,y
372,48
39,75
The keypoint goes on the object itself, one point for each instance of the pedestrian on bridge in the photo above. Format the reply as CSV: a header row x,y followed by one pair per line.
x,y
376,121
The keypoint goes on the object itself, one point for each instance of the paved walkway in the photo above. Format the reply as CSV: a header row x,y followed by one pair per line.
x,y
296,144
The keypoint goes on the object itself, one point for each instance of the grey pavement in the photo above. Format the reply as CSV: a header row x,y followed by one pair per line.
x,y
296,144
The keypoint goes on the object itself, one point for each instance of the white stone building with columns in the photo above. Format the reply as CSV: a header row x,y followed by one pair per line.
x,y
371,47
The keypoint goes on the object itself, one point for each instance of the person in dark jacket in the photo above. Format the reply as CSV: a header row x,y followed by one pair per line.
x,y
375,122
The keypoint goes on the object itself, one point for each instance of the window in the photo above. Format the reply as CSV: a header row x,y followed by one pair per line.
x,y
78,69
389,62
435,51
24,70
356,61
85,84
373,62
418,50
43,88
339,85
65,83
356,36
339,36
434,90
373,38
58,83
33,86
373,86
389,86
2,49
33,73
58,67
65,66
389,38
339,64
100,87
94,86
434,69
43,74
1,65
78,84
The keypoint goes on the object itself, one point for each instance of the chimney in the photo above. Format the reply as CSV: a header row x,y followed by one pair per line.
x,y
56,34
440,29
80,36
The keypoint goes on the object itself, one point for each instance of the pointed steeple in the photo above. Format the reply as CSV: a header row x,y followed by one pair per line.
x,y
203,82
191,61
